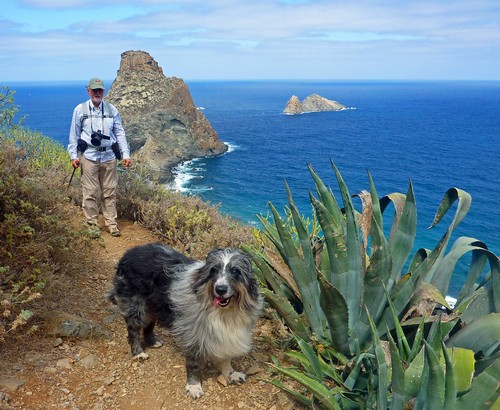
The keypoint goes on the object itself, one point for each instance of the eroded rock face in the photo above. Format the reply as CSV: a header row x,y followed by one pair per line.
x,y
294,106
162,123
313,103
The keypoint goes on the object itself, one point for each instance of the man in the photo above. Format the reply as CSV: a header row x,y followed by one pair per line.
x,y
96,140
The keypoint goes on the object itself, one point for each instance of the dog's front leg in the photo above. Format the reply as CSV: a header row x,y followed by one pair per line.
x,y
193,370
229,373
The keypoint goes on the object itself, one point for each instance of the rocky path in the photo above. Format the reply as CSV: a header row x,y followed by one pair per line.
x,y
44,371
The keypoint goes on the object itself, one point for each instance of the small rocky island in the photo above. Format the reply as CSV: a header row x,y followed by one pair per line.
x,y
162,123
313,103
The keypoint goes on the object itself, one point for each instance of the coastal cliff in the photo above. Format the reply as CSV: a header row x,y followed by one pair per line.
x,y
313,103
162,123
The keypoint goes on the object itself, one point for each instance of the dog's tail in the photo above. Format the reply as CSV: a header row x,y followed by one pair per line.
x,y
110,296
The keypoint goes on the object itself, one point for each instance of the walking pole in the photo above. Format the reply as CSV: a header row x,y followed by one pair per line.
x,y
72,175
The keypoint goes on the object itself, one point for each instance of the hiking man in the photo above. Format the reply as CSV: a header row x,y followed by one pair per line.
x,y
96,142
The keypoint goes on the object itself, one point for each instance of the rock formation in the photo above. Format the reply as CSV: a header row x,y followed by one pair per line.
x,y
313,103
162,123
294,106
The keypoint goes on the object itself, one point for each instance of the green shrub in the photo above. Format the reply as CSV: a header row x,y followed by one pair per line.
x,y
35,239
185,222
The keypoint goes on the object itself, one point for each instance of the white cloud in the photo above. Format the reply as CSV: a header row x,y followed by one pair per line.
x,y
227,38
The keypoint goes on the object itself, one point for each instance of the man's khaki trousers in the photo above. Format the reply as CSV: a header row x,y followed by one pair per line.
x,y
99,182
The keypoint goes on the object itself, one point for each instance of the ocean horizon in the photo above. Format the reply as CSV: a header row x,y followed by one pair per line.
x,y
438,134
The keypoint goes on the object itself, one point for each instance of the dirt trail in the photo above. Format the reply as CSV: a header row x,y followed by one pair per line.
x,y
97,373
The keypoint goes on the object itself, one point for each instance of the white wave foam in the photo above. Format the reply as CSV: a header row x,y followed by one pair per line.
x,y
231,147
184,173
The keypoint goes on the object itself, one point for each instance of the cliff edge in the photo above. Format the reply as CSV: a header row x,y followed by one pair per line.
x,y
162,123
313,103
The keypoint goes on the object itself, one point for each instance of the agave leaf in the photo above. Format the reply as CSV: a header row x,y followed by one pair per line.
x,y
398,200
309,290
398,376
404,236
375,202
464,203
312,359
435,336
278,285
436,385
480,304
403,345
337,315
450,197
490,301
481,335
350,284
463,366
321,392
334,241
329,369
423,301
476,267
327,199
352,379
285,309
421,255
377,274
413,376
485,390
400,295
365,219
450,397
417,341
440,276
306,364
382,379
300,398
272,233
308,263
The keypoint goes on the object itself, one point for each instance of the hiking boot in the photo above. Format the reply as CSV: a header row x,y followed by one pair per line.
x,y
114,231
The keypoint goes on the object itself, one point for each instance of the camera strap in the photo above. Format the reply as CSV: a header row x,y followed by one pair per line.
x,y
87,110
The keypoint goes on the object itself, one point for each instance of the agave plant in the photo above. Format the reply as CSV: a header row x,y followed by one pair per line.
x,y
342,287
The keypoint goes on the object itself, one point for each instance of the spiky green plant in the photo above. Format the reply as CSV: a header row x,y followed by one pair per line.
x,y
344,289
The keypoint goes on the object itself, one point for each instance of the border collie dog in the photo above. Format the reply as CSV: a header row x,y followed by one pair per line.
x,y
209,306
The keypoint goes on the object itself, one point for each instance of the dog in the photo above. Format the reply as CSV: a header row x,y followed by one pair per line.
x,y
210,306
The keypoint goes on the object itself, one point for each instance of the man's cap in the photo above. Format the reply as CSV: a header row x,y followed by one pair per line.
x,y
96,83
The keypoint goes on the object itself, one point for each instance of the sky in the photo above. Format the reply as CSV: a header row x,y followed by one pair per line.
x,y
66,40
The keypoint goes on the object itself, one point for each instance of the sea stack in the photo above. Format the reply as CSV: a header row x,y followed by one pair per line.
x,y
162,123
313,103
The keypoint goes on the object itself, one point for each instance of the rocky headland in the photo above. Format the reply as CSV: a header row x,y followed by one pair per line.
x,y
162,123
313,103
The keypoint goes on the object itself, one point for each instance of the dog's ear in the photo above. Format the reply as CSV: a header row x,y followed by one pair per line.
x,y
214,254
246,261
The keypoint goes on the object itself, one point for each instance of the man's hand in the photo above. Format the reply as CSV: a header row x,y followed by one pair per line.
x,y
75,163
127,162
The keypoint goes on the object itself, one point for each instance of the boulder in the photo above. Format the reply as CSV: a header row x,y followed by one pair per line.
x,y
162,123
63,324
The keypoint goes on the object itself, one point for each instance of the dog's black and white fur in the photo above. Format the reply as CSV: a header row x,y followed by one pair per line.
x,y
210,306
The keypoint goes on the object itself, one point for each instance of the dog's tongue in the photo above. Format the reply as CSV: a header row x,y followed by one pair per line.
x,y
217,300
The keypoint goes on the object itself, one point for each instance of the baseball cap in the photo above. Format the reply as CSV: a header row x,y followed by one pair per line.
x,y
96,83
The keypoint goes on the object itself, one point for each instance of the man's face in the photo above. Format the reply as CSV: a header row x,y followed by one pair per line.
x,y
96,95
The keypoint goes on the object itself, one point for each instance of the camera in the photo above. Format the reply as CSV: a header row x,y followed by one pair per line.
x,y
96,137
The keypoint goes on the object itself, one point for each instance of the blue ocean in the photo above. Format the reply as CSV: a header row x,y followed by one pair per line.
x,y
439,135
